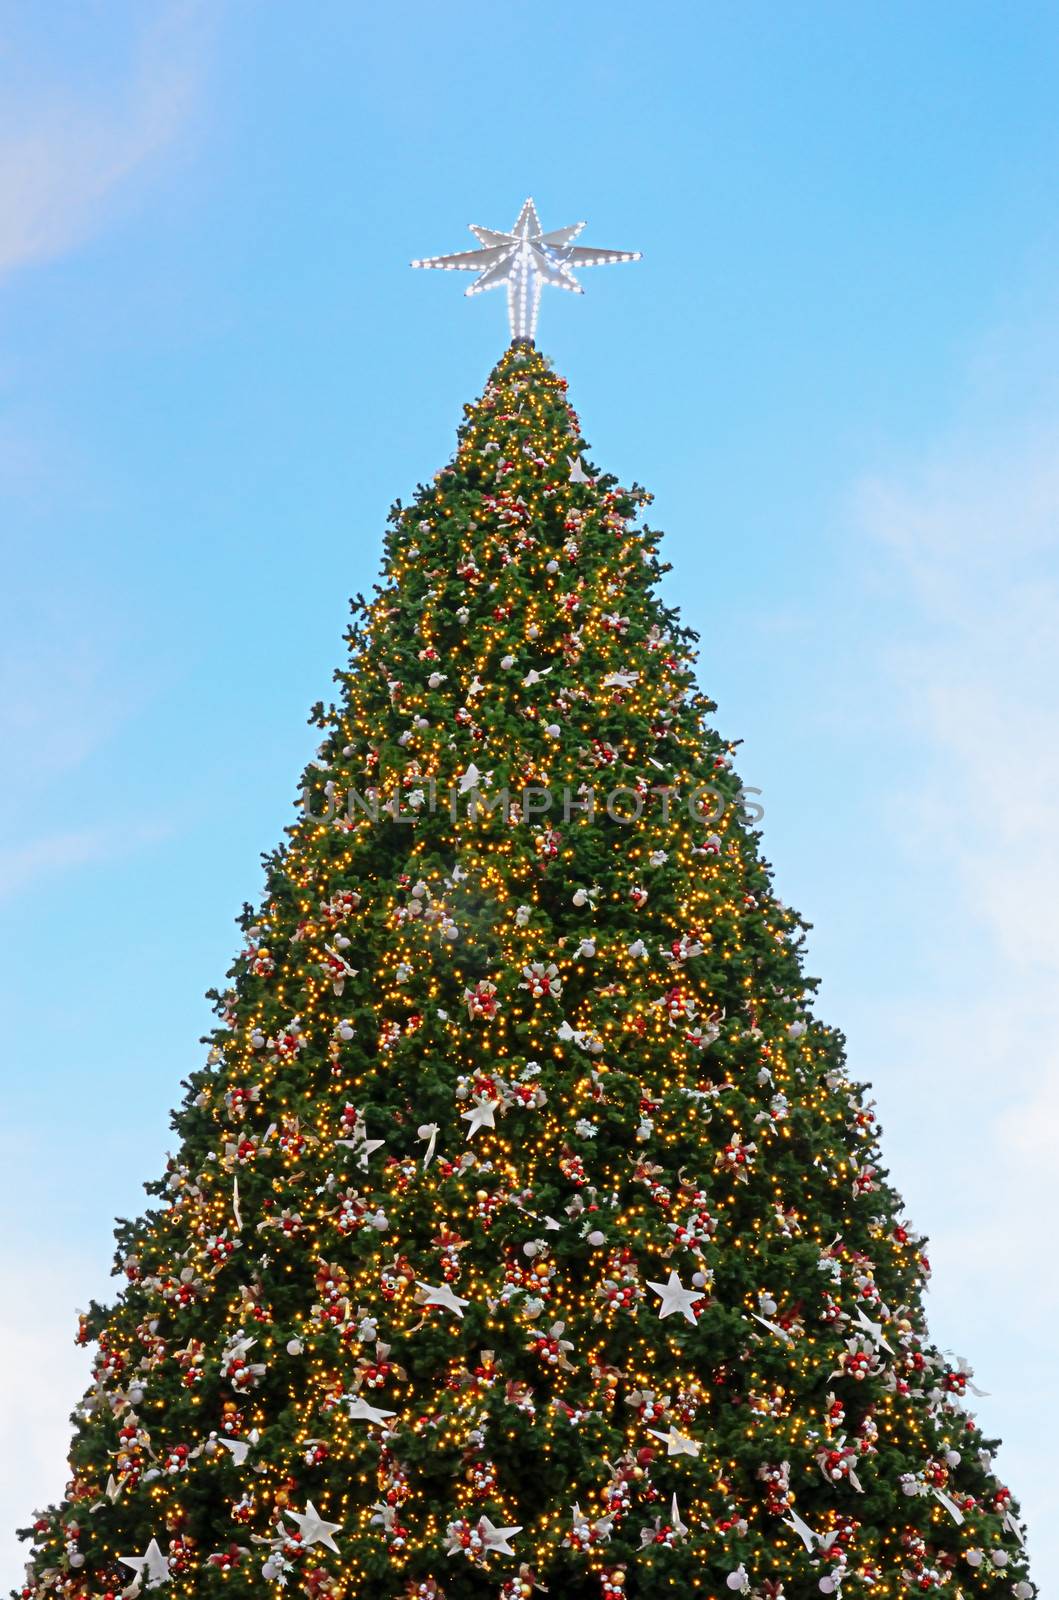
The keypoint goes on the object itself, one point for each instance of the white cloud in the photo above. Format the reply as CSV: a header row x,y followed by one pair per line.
x,y
976,545
67,151
64,156
22,865
968,549
64,692
42,1374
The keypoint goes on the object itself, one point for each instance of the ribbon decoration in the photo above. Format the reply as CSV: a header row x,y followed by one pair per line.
x,y
950,1506
773,1327
428,1131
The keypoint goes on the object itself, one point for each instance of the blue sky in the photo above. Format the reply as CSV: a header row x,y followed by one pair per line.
x,y
835,367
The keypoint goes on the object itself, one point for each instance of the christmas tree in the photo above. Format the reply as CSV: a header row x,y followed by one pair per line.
x,y
524,1232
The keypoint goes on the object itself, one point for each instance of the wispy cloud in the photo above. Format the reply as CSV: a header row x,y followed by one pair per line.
x,y
64,155
62,691
69,147
968,545
23,865
976,544
63,694
41,1373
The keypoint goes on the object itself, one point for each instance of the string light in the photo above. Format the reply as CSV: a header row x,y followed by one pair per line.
x,y
373,1345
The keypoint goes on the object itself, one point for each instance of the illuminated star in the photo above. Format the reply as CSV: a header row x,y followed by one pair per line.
x,y
360,1411
481,1115
677,1443
442,1296
675,1297
496,1539
313,1528
522,261
153,1562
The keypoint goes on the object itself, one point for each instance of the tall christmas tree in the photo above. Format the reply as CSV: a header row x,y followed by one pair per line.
x,y
524,1232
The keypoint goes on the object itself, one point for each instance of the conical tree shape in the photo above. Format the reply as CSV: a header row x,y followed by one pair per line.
x,y
524,1230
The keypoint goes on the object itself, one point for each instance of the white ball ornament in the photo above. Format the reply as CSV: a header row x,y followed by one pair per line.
x,y
974,1558
1000,1558
1023,1591
596,1238
553,730
698,1280
294,1347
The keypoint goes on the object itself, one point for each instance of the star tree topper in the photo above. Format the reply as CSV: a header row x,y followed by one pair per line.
x,y
523,260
